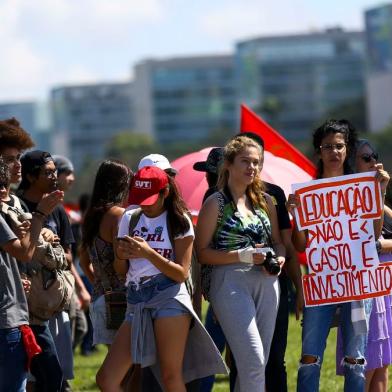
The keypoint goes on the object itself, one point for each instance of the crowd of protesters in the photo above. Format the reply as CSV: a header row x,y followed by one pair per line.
x,y
135,270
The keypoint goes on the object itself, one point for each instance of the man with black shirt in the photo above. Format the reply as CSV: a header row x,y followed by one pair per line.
x,y
39,177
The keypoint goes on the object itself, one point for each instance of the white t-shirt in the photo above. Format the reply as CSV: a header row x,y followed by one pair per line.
x,y
155,232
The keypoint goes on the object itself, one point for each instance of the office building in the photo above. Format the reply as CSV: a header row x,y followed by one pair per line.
x,y
86,117
296,81
379,66
185,99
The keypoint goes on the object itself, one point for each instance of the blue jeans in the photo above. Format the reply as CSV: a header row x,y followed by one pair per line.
x,y
13,360
45,366
316,326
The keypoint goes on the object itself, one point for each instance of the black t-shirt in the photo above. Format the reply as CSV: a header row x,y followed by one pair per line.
x,y
279,200
57,221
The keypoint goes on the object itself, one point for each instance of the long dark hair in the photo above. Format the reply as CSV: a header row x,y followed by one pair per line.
x,y
110,188
176,209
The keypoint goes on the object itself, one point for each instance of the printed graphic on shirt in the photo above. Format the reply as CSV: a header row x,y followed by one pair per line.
x,y
154,236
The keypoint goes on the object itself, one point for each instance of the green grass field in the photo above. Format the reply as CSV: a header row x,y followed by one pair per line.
x,y
86,367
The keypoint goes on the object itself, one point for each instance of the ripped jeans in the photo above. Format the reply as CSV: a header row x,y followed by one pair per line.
x,y
316,325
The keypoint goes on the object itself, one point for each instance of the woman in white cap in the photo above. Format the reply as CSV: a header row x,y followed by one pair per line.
x,y
154,251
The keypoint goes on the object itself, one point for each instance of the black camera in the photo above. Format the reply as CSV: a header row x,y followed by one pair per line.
x,y
271,263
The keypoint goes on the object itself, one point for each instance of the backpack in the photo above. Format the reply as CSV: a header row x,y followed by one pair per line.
x,y
194,269
206,269
52,282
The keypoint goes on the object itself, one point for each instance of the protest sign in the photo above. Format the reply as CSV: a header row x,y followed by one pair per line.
x,y
338,214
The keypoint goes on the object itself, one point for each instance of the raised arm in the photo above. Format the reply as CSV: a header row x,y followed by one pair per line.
x,y
24,249
383,177
299,238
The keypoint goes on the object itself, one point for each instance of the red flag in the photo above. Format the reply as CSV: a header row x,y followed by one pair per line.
x,y
273,141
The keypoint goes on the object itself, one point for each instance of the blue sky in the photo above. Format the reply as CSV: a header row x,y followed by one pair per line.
x,y
47,43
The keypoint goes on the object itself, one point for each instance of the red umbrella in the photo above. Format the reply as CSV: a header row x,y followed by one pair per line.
x,y
193,184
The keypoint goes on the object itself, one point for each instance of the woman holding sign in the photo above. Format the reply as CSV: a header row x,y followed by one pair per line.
x,y
379,343
238,235
333,142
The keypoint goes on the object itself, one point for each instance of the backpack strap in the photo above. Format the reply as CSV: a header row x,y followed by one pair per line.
x,y
17,202
222,201
133,221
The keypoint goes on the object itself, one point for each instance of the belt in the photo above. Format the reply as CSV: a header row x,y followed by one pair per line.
x,y
145,279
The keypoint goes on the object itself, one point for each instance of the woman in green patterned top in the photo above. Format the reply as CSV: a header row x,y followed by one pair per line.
x,y
234,225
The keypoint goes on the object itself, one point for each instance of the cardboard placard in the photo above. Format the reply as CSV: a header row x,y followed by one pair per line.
x,y
343,263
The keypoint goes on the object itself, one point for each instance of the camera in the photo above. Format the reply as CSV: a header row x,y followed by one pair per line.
x,y
271,263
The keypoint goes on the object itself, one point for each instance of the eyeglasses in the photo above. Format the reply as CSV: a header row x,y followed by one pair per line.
x,y
49,173
4,185
368,157
331,146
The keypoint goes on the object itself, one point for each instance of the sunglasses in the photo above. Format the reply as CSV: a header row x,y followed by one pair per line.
x,y
331,146
3,185
368,157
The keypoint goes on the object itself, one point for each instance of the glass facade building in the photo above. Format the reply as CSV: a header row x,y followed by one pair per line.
x,y
379,67
295,81
379,38
86,117
33,117
185,99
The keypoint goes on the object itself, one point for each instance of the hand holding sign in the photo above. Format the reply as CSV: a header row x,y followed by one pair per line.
x,y
341,253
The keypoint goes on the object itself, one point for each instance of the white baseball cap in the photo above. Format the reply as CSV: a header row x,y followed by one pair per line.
x,y
157,160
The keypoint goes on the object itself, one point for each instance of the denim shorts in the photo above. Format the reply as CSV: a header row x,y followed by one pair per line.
x,y
101,335
143,292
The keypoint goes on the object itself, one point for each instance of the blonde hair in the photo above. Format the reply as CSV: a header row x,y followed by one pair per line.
x,y
255,190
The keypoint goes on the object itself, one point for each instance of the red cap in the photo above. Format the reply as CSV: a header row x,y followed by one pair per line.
x,y
146,185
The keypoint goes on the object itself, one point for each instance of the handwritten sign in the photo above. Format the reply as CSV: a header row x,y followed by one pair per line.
x,y
342,257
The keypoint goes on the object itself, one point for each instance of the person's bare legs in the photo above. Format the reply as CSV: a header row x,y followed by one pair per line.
x,y
377,380
117,362
171,334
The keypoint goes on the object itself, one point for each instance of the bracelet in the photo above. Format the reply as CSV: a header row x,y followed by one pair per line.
x,y
40,213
